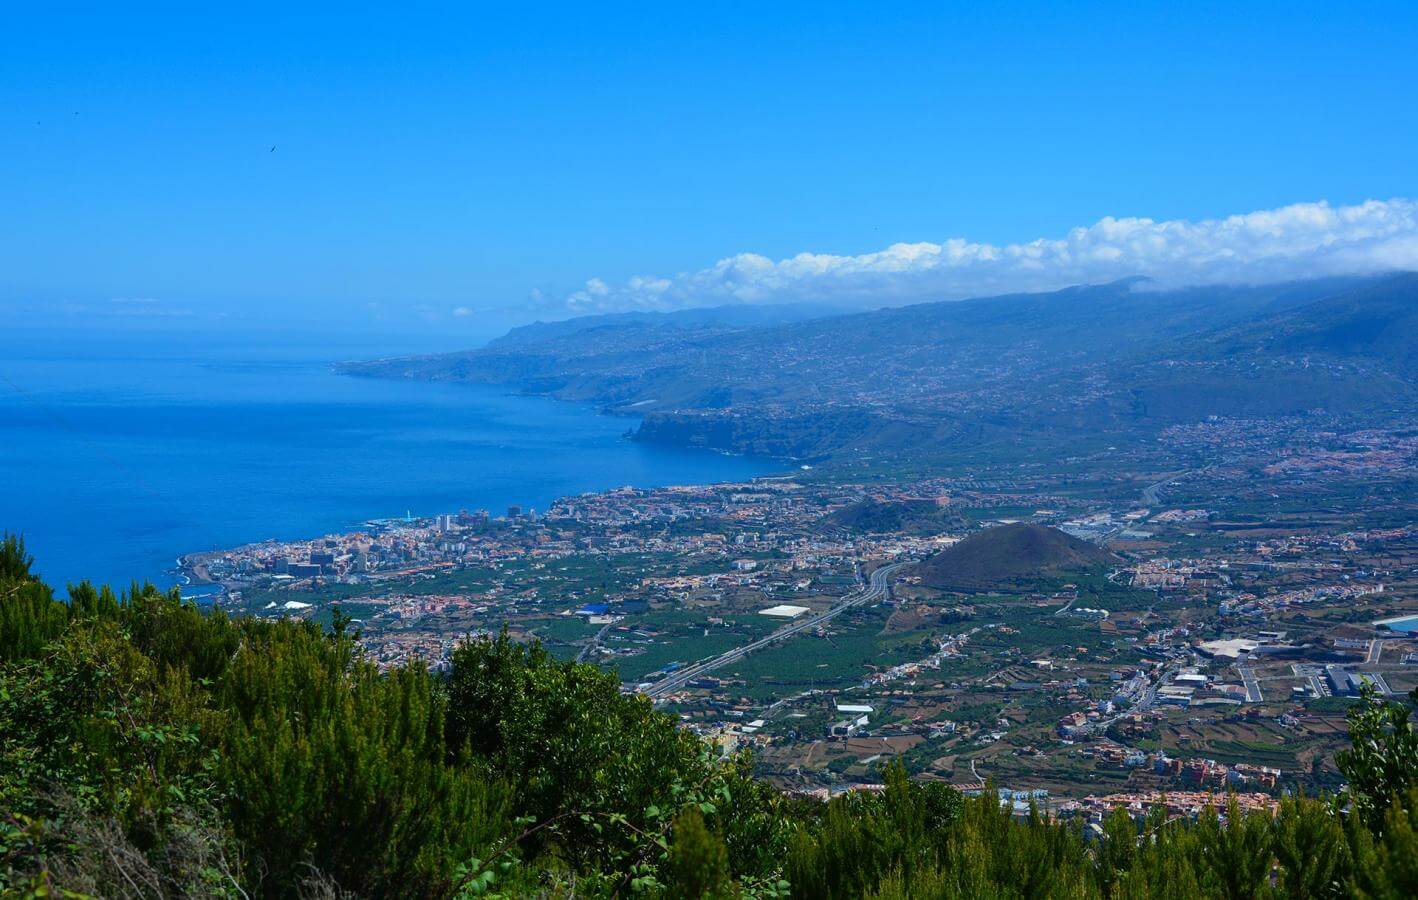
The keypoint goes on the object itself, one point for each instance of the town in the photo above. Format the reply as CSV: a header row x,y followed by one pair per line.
x,y
1211,648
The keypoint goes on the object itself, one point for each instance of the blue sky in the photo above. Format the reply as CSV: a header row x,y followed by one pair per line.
x,y
495,158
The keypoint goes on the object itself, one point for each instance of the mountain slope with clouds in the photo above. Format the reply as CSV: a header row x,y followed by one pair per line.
x,y
1099,362
1291,243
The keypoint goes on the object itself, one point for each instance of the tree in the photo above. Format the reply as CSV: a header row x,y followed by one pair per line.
x,y
568,741
1386,860
15,563
1237,854
151,747
1382,764
697,865
1310,848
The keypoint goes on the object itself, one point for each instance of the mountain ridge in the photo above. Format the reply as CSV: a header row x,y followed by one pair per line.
x,y
1123,359
709,319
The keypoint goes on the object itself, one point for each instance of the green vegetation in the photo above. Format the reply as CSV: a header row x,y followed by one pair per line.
x,y
563,629
902,516
854,646
151,749
682,636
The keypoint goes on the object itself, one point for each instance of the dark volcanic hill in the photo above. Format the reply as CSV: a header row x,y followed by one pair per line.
x,y
920,517
1008,554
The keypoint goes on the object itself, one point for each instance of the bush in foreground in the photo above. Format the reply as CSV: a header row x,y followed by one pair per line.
x,y
150,749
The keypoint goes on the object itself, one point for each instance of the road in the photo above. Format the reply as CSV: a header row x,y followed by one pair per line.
x,y
1145,702
1311,675
595,642
1248,678
1151,495
878,586
1317,686
975,784
1376,649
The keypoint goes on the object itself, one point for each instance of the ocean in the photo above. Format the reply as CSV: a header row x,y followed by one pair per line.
x,y
117,456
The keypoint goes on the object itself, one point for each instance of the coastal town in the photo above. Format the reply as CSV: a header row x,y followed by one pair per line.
x,y
1207,651
690,452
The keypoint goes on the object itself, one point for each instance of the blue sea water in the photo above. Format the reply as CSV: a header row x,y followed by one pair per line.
x,y
1407,624
117,456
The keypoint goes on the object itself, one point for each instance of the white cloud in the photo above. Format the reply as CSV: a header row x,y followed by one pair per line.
x,y
1300,241
462,312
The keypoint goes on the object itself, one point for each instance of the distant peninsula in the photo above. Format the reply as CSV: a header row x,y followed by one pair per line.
x,y
1070,370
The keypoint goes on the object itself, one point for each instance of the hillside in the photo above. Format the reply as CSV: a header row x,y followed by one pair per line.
x,y
706,320
1115,362
919,517
1008,554
1376,321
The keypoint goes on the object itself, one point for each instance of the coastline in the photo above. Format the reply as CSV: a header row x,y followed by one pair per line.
x,y
287,449
194,567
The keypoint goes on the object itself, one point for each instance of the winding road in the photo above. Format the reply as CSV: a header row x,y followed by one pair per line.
x,y
878,586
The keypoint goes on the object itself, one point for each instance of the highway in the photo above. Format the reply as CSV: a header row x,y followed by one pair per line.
x,y
1152,494
878,586
595,642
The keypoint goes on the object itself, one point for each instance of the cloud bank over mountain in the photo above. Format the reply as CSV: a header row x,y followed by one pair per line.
x,y
1304,240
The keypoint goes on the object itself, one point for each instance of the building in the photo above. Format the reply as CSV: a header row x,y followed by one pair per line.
x,y
848,727
1343,683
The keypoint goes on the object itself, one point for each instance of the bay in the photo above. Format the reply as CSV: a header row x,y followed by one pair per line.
x,y
117,457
